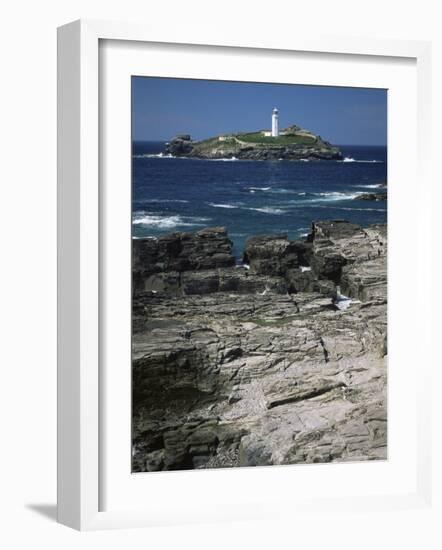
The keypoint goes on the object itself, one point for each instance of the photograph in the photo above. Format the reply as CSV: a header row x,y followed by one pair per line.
x,y
259,274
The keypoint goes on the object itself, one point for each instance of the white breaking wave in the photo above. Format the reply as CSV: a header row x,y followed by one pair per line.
x,y
167,222
268,210
316,197
331,196
284,191
222,160
350,159
223,205
337,196
259,188
153,156
373,186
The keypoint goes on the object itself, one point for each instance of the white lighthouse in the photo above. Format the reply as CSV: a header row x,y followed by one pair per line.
x,y
275,130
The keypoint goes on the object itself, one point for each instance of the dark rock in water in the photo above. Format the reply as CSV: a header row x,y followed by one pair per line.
x,y
250,367
179,146
371,197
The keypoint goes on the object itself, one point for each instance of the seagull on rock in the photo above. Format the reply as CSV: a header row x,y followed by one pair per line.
x,y
340,301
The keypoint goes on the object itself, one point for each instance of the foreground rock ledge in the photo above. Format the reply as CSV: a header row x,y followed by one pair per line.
x,y
254,365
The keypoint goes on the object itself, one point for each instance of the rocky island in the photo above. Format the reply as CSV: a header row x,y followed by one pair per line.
x,y
292,143
258,363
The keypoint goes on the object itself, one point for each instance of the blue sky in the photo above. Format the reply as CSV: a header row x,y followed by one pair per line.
x,y
163,107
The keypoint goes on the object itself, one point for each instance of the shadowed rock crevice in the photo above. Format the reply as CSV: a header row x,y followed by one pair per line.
x,y
316,392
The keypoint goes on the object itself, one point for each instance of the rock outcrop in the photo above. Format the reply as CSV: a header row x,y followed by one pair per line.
x,y
294,143
371,197
159,263
252,365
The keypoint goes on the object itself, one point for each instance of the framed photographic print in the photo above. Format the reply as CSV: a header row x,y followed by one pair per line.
x,y
235,278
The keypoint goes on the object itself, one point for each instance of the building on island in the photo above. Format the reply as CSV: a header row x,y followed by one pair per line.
x,y
275,129
274,132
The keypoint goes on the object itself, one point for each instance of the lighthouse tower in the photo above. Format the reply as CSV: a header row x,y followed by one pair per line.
x,y
275,130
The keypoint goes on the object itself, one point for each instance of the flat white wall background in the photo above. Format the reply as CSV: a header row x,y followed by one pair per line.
x,y
28,260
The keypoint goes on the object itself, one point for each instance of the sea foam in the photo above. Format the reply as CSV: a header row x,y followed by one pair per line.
x,y
223,205
351,159
232,159
267,210
167,222
373,186
153,156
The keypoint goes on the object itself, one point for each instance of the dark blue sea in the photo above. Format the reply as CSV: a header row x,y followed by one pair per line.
x,y
253,197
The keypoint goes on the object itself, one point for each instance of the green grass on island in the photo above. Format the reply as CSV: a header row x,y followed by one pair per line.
x,y
236,141
258,138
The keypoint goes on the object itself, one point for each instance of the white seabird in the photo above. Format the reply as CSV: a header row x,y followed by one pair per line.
x,y
340,301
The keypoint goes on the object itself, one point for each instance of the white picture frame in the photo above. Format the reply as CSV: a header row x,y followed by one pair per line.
x,y
80,272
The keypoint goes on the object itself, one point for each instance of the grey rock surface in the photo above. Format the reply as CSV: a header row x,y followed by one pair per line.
x,y
236,366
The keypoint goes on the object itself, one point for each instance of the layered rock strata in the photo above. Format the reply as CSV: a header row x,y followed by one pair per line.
x,y
253,365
